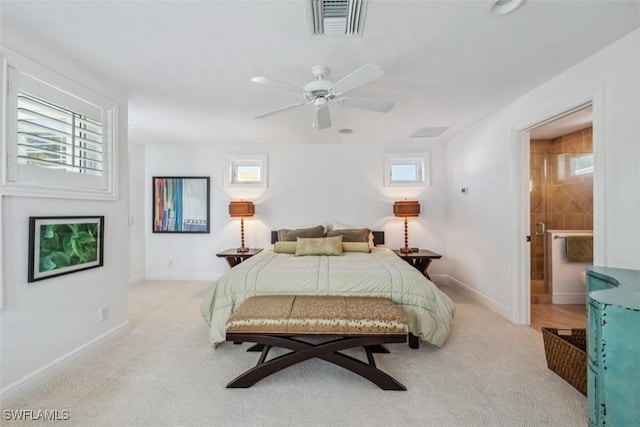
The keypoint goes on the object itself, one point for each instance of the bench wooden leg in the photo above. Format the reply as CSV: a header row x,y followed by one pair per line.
x,y
256,347
329,351
414,341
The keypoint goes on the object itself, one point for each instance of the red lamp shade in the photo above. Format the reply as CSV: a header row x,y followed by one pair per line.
x,y
242,208
406,208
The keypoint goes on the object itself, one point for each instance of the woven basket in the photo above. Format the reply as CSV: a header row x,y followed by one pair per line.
x,y
566,355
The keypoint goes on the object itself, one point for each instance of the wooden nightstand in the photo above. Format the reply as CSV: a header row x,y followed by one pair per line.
x,y
234,257
420,260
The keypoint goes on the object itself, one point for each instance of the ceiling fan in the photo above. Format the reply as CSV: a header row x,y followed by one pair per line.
x,y
322,91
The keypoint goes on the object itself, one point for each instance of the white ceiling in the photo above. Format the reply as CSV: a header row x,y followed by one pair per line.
x,y
564,125
187,65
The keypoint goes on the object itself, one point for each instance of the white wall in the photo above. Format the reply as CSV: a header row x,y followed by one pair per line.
x,y
480,225
307,185
46,324
137,227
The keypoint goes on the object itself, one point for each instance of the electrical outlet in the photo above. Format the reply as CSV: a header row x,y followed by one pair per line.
x,y
104,313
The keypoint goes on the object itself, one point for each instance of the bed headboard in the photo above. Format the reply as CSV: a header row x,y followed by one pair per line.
x,y
378,237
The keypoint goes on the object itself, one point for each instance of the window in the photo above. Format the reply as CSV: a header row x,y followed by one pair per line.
x,y
50,136
406,169
249,171
405,172
59,139
582,164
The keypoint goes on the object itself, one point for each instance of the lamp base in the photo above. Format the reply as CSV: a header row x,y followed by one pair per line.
x,y
242,249
409,250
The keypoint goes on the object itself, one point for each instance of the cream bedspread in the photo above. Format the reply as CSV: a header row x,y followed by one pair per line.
x,y
380,273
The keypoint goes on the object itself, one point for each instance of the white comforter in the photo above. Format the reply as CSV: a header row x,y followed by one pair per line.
x,y
380,273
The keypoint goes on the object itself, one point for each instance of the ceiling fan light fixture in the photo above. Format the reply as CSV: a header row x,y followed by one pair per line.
x,y
503,7
321,92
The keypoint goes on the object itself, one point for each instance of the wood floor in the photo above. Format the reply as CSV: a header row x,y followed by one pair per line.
x,y
558,316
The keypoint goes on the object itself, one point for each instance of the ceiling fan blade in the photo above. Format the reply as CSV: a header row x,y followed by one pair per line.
x,y
362,75
322,118
277,83
367,104
278,110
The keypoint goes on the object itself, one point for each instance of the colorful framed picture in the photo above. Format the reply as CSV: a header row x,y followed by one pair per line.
x,y
64,244
181,204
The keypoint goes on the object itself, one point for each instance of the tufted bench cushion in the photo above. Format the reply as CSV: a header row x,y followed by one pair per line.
x,y
308,315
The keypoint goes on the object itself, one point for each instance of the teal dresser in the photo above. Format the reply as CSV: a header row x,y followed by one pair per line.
x,y
613,346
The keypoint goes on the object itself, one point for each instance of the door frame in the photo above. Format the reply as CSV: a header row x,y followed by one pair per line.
x,y
519,178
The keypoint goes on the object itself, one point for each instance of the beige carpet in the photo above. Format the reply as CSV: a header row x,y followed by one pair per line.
x,y
489,373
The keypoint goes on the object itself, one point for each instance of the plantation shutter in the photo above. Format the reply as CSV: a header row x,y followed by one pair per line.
x,y
51,136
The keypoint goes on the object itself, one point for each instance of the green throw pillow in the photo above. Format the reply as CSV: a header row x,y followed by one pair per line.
x,y
319,246
356,247
285,247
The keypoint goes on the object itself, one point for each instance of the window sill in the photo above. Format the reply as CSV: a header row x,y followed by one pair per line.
x,y
24,190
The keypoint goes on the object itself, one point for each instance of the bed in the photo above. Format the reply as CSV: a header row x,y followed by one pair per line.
x,y
429,312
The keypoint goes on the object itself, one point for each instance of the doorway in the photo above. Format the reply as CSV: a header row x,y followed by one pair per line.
x,y
561,167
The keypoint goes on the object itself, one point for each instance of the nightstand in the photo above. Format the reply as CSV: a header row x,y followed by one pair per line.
x,y
234,257
420,260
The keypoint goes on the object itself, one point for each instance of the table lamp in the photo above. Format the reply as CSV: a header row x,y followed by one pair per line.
x,y
406,209
241,209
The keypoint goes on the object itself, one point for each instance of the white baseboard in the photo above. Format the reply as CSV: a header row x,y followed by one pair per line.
x,y
138,278
13,392
569,298
477,296
440,279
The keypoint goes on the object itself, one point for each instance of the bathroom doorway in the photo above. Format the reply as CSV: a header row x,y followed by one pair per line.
x,y
561,208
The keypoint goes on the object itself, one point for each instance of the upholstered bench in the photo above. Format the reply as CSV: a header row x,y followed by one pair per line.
x,y
342,323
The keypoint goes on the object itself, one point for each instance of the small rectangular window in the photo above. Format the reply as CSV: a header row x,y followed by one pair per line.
x,y
402,170
247,171
247,174
582,165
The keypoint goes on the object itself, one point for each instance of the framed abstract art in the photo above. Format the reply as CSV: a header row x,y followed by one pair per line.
x,y
181,204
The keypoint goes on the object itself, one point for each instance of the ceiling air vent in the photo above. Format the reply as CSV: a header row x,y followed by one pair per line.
x,y
429,132
337,18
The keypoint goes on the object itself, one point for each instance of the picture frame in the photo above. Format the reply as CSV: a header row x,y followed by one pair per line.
x,y
61,245
181,204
